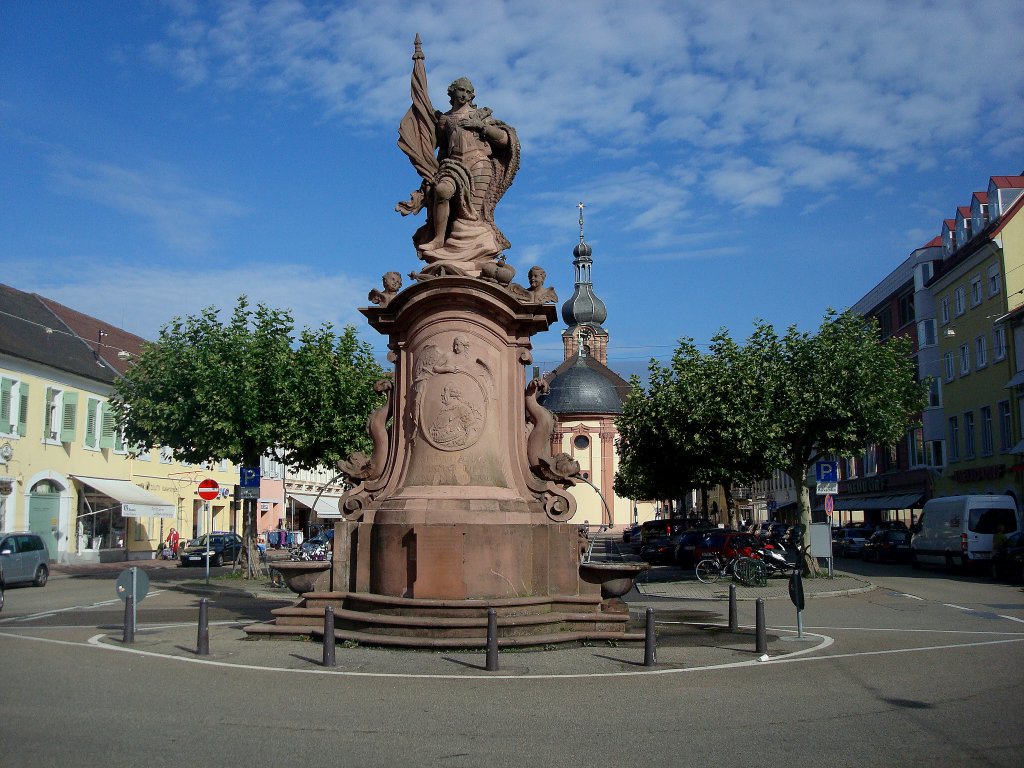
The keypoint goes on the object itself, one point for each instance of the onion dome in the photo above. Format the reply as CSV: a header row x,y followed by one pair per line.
x,y
583,307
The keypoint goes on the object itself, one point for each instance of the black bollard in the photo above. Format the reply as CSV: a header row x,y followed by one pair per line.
x,y
492,640
129,620
762,632
203,639
734,622
650,646
329,660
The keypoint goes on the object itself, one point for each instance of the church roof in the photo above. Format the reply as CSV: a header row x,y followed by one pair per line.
x,y
584,385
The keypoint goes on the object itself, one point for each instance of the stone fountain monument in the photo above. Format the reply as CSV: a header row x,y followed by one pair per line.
x,y
461,506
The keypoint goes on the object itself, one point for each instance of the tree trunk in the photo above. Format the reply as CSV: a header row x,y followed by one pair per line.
x,y
811,567
729,505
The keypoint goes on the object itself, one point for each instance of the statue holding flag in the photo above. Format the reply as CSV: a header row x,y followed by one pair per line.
x,y
476,161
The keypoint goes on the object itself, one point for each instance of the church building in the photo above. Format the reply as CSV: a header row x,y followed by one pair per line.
x,y
586,396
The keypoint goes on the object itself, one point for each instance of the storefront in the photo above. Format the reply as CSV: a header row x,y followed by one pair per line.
x,y
878,499
117,519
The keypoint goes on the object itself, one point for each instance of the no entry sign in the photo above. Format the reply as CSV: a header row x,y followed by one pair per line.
x,y
209,490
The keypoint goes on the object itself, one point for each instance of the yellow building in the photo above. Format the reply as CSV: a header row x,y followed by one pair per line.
x,y
65,472
981,278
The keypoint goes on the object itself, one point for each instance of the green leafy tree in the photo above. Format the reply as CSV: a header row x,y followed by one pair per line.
x,y
242,389
839,391
735,414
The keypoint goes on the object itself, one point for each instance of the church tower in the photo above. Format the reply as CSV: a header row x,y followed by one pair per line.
x,y
584,312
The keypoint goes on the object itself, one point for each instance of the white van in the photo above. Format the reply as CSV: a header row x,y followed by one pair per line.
x,y
957,530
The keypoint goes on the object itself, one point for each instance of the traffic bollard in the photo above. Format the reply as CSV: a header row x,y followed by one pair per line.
x,y
492,640
650,646
203,639
329,660
762,631
734,621
129,620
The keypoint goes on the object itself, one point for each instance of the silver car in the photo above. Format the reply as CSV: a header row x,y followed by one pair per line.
x,y
24,559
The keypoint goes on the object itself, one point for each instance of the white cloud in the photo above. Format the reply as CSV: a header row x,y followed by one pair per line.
x,y
721,88
143,299
183,215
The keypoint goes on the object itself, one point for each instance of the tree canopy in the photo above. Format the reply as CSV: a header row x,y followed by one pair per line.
x,y
735,413
242,389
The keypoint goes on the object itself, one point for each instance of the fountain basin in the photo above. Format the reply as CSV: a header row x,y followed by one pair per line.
x,y
616,579
301,576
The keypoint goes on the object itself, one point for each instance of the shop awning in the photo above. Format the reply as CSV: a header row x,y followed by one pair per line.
x,y
326,506
896,501
135,501
1018,378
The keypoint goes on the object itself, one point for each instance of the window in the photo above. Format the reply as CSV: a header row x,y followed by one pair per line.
x,y
965,359
969,435
995,284
976,290
944,308
954,439
884,318
166,454
926,333
950,370
13,407
871,460
960,301
60,416
986,430
999,343
906,304
980,352
915,447
935,393
935,453
582,442
1005,426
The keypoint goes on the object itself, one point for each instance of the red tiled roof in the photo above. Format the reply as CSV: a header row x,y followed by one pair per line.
x,y
1014,182
87,328
982,197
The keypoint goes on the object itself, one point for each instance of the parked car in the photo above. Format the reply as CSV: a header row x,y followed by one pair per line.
x,y
849,542
224,548
1008,560
687,544
958,530
727,544
25,559
632,533
652,529
659,551
892,545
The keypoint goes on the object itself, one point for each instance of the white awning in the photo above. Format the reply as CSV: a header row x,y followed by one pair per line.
x,y
135,501
325,506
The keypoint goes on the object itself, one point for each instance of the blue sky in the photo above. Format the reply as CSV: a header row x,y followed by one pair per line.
x,y
738,160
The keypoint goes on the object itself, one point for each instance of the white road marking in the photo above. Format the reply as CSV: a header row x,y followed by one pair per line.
x,y
958,607
1011,618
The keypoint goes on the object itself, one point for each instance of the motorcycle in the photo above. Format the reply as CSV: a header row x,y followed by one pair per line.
x,y
774,560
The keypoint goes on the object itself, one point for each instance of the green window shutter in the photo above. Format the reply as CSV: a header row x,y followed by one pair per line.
x,y
118,435
6,385
92,435
108,426
23,409
69,417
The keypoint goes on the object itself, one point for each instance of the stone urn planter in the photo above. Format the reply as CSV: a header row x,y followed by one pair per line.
x,y
301,576
616,578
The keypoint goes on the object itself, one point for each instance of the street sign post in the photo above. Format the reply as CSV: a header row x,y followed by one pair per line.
x,y
826,471
134,583
209,489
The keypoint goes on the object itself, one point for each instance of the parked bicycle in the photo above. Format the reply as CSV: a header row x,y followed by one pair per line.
x,y
748,571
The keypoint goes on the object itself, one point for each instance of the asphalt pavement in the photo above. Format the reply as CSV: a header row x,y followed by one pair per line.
x,y
691,623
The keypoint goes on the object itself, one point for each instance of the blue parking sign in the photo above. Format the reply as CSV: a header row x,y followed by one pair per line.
x,y
827,471
249,477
